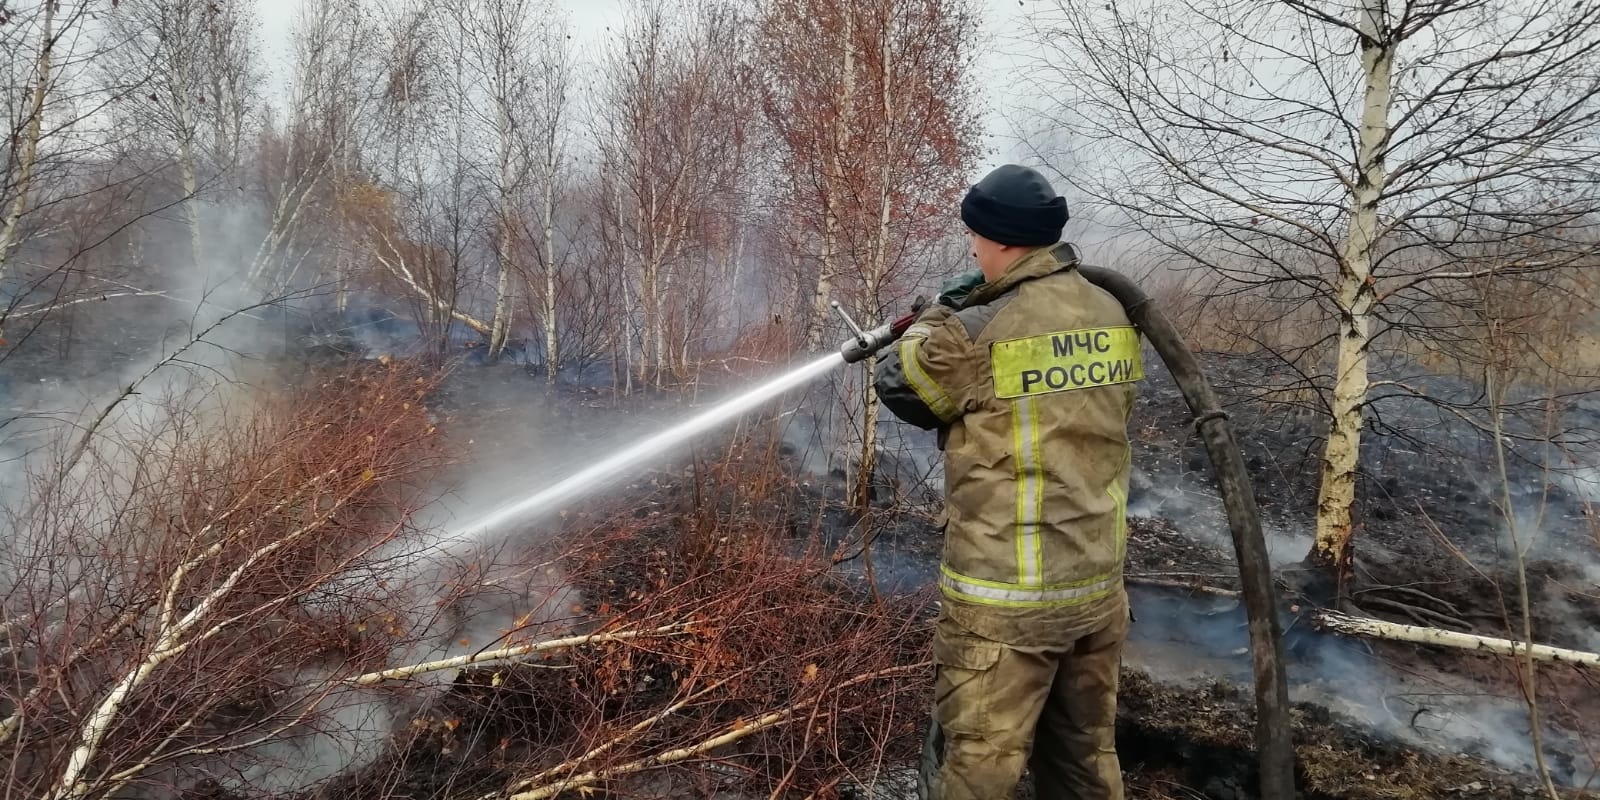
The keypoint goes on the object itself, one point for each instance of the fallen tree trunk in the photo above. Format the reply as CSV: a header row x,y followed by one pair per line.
x,y
504,654
1186,586
1396,632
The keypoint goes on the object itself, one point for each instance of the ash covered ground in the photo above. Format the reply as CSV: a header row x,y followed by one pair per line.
x,y
1373,719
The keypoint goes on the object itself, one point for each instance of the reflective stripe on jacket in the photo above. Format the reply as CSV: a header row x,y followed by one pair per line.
x,y
1031,384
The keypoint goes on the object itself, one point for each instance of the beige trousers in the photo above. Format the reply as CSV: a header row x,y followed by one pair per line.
x,y
1002,708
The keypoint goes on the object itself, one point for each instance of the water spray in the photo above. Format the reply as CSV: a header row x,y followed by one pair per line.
x,y
857,348
612,467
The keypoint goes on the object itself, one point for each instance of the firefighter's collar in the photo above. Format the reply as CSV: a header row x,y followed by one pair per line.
x,y
1029,266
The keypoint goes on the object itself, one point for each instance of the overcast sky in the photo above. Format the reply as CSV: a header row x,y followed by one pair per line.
x,y
1001,19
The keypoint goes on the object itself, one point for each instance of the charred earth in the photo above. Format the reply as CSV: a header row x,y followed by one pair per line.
x,y
752,509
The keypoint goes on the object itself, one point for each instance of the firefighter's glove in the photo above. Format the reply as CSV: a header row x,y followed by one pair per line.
x,y
953,293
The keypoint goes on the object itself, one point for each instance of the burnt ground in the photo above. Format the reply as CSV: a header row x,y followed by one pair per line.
x,y
1373,719
1432,548
1428,518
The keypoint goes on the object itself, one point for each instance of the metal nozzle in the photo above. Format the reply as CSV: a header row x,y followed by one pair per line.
x,y
861,336
867,343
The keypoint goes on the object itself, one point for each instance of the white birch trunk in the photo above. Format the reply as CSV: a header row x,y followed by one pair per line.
x,y
819,299
1330,550
876,278
1393,631
658,327
174,635
551,353
833,170
514,652
343,265
28,151
438,308
500,321
626,314
737,273
500,324
869,437
191,189
72,784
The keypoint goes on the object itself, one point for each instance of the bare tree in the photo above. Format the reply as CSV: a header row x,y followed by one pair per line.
x,y
203,593
28,128
876,147
56,157
1350,159
551,99
305,163
195,63
666,131
423,208
497,40
469,161
810,93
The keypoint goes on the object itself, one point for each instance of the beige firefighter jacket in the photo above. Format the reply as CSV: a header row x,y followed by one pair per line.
x,y
1031,383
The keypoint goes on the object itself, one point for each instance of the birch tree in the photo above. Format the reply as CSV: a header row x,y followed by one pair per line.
x,y
876,145
422,210
498,41
316,153
665,131
551,98
53,152
1346,158
35,35
810,93
192,604
922,134
195,63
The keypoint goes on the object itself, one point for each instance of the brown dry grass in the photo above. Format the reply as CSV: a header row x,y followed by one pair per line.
x,y
1541,329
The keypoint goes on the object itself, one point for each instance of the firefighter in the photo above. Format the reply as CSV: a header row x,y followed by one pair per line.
x,y
1027,372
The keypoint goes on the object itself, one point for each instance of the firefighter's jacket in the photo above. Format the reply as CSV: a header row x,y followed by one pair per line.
x,y
1030,384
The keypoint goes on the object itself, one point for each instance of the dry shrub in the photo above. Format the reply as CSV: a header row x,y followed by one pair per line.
x,y
1280,343
1541,330
1220,317
784,680
757,352
214,605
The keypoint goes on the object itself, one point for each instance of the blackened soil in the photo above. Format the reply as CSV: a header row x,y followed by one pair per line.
x,y
1197,743
1430,530
1423,527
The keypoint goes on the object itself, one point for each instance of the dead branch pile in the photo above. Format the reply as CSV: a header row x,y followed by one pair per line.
x,y
187,607
259,588
723,658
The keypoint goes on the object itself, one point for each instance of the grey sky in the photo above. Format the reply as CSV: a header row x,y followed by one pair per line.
x,y
1001,20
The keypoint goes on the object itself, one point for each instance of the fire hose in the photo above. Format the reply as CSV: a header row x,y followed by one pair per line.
x,y
1274,747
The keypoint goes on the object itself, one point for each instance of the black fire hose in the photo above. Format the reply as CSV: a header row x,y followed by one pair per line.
x,y
1274,747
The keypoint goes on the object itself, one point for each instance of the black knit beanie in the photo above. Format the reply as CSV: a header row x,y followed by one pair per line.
x,y
1015,205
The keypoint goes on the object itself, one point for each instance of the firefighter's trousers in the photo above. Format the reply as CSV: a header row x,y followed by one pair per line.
x,y
1053,709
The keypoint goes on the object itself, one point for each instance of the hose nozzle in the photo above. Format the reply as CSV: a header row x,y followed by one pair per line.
x,y
867,342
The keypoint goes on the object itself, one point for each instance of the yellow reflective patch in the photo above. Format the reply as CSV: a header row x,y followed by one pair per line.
x,y
1058,362
927,390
